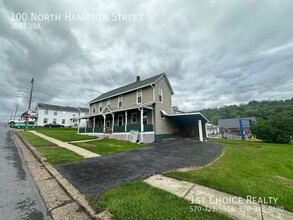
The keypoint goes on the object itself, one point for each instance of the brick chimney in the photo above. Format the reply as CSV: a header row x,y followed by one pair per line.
x,y
137,78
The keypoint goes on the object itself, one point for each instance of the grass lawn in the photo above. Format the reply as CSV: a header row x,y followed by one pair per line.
x,y
59,155
35,140
138,200
249,169
54,154
63,134
109,146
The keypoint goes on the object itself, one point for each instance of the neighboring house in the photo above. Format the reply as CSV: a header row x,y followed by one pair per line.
x,y
145,106
212,130
231,126
63,115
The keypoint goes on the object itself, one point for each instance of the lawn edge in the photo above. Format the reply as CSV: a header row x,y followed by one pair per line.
x,y
68,187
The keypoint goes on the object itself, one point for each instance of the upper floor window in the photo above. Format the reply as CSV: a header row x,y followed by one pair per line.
x,y
160,95
120,101
109,102
100,106
55,112
54,120
94,110
46,111
139,96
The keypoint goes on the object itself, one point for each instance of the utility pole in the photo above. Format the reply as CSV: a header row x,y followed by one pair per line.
x,y
15,111
29,104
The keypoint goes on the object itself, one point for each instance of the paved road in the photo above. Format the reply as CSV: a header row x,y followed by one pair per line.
x,y
19,197
96,175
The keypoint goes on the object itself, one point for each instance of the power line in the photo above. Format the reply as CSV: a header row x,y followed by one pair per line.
x,y
12,86
15,96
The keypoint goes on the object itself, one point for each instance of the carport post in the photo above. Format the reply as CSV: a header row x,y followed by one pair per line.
x,y
200,130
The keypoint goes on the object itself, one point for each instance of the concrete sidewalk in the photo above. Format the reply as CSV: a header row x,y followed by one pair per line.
x,y
78,150
214,200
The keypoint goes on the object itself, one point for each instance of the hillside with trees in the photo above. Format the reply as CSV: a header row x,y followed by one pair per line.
x,y
274,118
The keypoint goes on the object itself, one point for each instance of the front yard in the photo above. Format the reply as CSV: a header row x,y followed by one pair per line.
x,y
249,169
54,154
63,134
108,146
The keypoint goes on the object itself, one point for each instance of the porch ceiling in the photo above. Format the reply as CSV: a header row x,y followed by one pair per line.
x,y
186,117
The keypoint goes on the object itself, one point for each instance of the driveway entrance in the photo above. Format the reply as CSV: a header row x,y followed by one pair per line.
x,y
96,175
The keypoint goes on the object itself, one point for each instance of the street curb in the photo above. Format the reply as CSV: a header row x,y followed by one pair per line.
x,y
69,188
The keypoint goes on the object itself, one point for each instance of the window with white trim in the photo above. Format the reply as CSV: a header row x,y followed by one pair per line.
x,y
108,101
63,121
100,106
161,95
54,120
94,110
46,111
45,121
120,101
133,117
55,112
139,96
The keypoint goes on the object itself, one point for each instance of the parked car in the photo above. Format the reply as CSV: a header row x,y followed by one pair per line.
x,y
22,125
54,125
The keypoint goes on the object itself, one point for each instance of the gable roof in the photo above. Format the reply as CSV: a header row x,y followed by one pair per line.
x,y
132,86
62,108
234,122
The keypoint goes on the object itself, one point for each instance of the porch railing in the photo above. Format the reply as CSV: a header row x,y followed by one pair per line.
x,y
146,128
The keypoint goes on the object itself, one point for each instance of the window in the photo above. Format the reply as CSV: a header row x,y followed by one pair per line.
x,y
109,102
100,106
120,101
139,96
63,121
45,120
54,120
120,120
145,117
46,111
94,110
160,95
55,112
73,115
133,117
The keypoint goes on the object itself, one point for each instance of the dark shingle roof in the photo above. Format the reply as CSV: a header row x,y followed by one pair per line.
x,y
234,122
62,108
130,87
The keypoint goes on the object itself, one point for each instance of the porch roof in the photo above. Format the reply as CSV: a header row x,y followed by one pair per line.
x,y
185,117
115,110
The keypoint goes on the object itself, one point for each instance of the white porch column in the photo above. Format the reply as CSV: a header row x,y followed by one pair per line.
x,y
94,124
200,131
78,125
125,121
141,125
104,127
113,121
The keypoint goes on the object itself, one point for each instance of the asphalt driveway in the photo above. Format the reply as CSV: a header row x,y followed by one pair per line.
x,y
96,175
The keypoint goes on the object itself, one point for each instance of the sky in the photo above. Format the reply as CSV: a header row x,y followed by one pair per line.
x,y
215,53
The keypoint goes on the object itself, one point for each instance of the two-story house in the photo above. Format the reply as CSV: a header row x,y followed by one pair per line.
x,y
145,106
63,115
